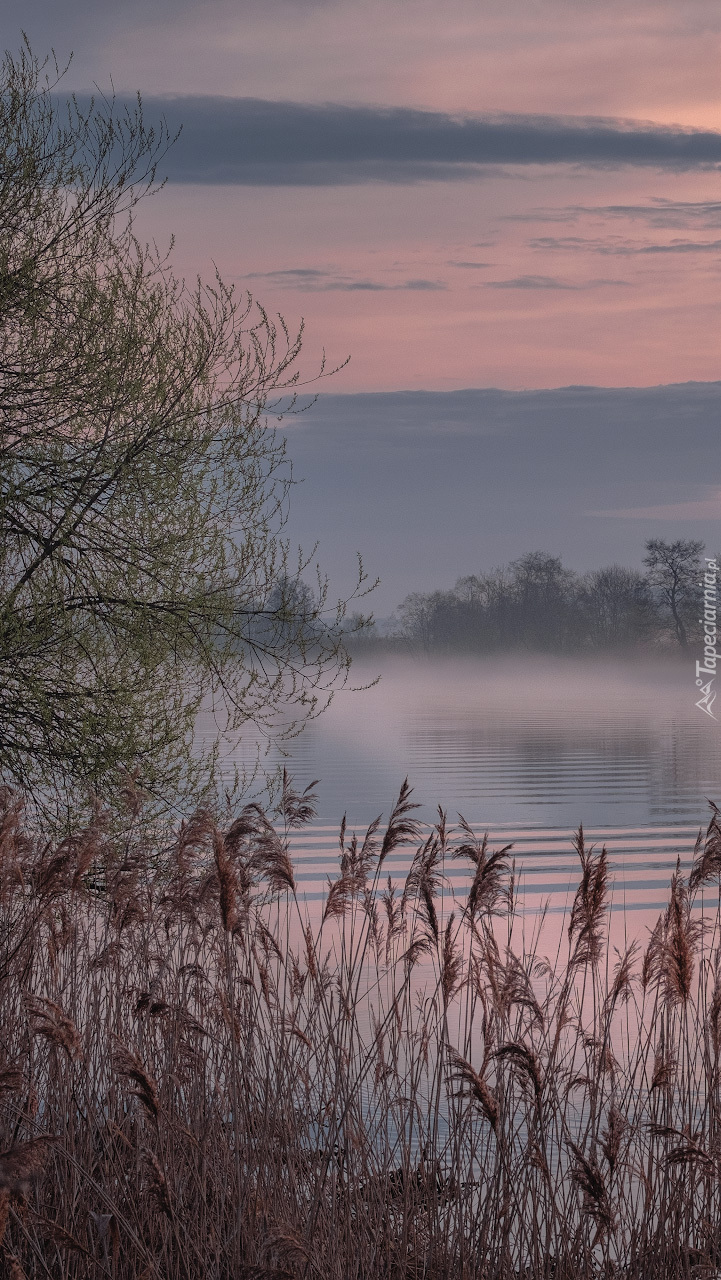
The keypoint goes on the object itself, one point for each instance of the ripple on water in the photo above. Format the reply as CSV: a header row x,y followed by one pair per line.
x,y
528,749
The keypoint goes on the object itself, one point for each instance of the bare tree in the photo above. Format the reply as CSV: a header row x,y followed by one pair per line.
x,y
543,593
674,569
618,607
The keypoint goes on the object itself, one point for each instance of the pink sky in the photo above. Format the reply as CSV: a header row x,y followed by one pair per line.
x,y
595,307
518,278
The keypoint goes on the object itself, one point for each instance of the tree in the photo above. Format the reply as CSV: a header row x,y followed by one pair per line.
x,y
544,595
618,607
418,615
674,569
142,493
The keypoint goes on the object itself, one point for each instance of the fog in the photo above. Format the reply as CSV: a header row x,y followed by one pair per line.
x,y
526,748
533,741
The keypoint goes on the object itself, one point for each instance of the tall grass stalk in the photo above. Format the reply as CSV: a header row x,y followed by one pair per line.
x,y
198,1078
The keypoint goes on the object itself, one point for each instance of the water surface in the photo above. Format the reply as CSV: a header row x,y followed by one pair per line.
x,y
526,748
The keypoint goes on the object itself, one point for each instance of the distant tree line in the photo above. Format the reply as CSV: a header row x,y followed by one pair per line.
x,y
536,604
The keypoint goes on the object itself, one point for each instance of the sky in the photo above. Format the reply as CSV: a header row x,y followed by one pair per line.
x,y
431,486
520,195
461,194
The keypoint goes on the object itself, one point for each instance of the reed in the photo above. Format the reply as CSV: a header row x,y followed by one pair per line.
x,y
200,1079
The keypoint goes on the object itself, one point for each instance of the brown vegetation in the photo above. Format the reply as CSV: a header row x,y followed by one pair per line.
x,y
197,1081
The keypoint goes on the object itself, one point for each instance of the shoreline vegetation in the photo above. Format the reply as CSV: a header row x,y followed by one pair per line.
x,y
535,604
199,1079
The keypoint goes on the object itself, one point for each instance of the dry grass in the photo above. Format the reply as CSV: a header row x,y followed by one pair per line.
x,y
196,1082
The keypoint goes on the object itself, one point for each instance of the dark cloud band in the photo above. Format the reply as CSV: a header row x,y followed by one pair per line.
x,y
252,141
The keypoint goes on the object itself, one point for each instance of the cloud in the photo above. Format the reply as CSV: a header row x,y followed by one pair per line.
x,y
316,280
708,508
530,282
617,246
682,246
288,273
352,286
471,266
659,213
582,244
518,469
254,141
549,282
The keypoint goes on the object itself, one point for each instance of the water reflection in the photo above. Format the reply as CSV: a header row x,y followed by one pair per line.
x,y
517,740
528,748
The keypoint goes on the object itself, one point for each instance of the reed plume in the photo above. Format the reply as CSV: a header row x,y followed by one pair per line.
x,y
128,1065
588,914
474,1085
204,1076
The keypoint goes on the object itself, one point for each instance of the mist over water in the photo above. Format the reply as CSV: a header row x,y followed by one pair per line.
x,y
527,748
528,740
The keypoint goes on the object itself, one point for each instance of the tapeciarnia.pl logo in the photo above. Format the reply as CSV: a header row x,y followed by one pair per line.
x,y
710,656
